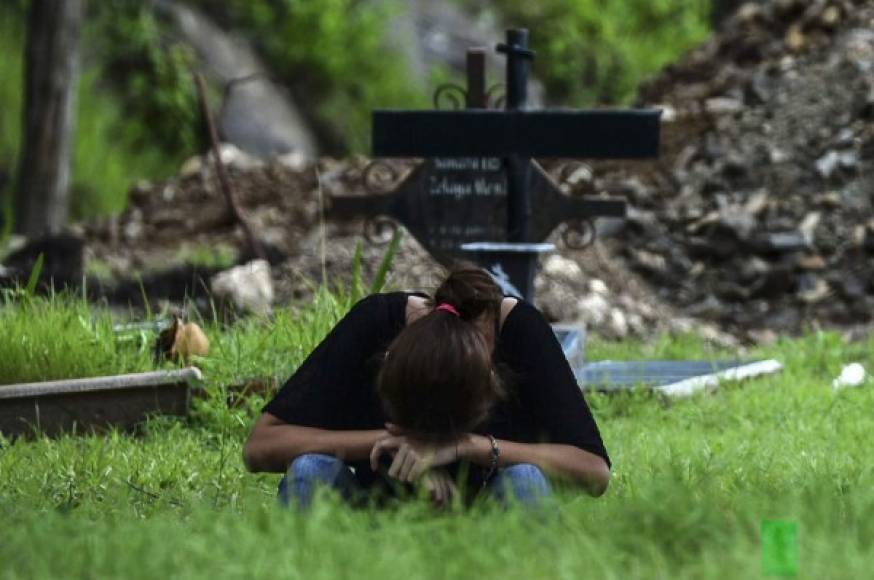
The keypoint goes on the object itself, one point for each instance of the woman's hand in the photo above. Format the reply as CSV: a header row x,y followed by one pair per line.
x,y
412,457
440,487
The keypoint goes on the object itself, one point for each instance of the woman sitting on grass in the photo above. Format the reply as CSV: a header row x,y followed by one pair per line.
x,y
468,386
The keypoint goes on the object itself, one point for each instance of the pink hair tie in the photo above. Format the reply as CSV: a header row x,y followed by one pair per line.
x,y
448,308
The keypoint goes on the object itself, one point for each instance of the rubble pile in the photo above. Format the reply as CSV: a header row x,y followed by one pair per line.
x,y
758,215
284,202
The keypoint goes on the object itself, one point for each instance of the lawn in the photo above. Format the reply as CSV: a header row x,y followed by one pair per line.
x,y
693,479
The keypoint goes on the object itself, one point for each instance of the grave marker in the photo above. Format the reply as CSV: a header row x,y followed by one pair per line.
x,y
478,194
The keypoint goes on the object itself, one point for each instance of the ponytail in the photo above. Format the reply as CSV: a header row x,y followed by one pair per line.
x,y
471,291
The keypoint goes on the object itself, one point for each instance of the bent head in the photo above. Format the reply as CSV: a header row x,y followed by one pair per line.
x,y
438,379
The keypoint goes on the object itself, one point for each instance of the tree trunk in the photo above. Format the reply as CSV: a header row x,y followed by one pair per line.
x,y
51,79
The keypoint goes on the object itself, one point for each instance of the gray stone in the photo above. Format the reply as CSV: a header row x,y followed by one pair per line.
x,y
248,287
257,115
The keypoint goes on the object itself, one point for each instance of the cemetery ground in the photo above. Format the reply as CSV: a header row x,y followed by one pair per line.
x,y
693,478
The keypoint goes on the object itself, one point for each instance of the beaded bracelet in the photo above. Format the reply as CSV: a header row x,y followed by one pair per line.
x,y
495,453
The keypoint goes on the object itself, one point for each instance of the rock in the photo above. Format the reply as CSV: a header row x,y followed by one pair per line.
x,y
651,261
830,199
830,17
294,161
13,243
812,262
133,228
831,162
764,337
777,155
813,289
852,375
809,225
757,202
618,323
853,286
597,286
248,287
828,163
783,242
795,38
593,309
723,106
559,266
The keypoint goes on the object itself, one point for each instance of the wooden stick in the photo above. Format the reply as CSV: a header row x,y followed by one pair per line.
x,y
254,243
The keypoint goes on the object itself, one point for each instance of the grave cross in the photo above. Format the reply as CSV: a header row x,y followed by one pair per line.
x,y
479,194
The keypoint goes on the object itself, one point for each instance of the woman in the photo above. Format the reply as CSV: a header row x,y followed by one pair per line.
x,y
424,387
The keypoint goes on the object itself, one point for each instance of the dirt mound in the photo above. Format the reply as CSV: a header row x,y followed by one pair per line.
x,y
758,215
170,223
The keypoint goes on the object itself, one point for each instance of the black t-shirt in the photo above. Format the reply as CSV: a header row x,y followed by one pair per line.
x,y
335,387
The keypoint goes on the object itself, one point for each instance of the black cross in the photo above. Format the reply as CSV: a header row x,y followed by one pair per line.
x,y
479,182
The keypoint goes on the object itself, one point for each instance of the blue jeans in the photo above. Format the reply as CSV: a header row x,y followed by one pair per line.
x,y
522,483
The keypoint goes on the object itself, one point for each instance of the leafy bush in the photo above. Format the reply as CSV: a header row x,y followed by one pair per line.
x,y
590,51
151,76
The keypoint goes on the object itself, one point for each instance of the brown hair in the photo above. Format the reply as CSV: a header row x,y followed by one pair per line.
x,y
438,379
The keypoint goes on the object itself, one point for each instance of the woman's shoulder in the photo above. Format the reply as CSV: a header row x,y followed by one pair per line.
x,y
517,314
391,308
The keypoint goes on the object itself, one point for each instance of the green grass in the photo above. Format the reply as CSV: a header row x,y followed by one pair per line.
x,y
44,338
207,256
34,347
693,479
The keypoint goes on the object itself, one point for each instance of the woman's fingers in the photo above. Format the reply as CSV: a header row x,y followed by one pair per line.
x,y
441,499
382,446
398,461
452,490
419,468
435,484
444,490
432,484
410,463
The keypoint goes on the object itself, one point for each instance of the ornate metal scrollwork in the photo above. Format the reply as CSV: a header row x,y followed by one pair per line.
x,y
380,176
454,95
496,96
572,173
379,230
578,234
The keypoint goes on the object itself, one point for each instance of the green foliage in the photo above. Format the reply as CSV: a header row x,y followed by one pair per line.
x,y
33,279
590,51
386,262
333,54
151,76
108,160
208,256
108,157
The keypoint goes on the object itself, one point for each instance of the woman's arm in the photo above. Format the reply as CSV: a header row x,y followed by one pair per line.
x,y
414,457
563,461
273,444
